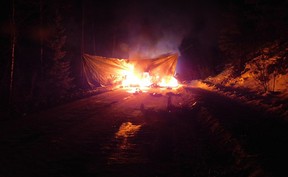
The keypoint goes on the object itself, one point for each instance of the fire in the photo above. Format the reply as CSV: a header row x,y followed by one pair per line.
x,y
131,78
169,82
134,80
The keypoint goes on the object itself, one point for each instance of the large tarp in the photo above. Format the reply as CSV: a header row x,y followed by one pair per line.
x,y
109,71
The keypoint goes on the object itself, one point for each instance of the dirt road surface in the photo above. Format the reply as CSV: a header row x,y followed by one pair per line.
x,y
188,132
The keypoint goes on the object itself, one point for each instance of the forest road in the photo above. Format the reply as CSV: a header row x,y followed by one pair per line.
x,y
185,132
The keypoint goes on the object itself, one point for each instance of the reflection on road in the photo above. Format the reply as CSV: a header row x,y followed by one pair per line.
x,y
124,144
127,129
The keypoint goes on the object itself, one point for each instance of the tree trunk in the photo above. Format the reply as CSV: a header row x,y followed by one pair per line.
x,y
274,81
94,42
113,42
82,41
82,31
41,37
13,43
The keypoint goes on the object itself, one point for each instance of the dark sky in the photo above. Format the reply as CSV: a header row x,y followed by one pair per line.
x,y
150,28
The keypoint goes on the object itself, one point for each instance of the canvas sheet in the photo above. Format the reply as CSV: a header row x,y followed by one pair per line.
x,y
109,71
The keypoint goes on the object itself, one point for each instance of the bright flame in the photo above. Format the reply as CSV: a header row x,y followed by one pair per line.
x,y
130,78
142,81
169,82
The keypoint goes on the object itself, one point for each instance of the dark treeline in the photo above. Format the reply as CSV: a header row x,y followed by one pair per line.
x,y
242,29
52,35
46,51
253,25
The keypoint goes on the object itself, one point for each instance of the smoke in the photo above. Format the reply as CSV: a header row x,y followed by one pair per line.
x,y
153,31
158,40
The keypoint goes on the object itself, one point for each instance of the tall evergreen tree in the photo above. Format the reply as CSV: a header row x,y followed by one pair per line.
x,y
59,70
13,43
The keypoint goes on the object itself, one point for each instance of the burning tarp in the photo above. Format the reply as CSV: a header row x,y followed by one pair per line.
x,y
129,72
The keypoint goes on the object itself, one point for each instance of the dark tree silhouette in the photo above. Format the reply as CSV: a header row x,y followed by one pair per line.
x,y
13,43
59,80
251,26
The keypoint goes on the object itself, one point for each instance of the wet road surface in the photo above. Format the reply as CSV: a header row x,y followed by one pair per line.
x,y
189,132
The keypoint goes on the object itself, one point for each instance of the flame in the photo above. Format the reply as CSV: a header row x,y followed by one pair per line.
x,y
137,81
168,82
131,78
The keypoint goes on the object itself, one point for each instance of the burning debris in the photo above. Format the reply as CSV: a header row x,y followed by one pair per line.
x,y
135,75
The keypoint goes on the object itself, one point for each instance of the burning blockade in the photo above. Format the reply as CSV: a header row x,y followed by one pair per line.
x,y
130,74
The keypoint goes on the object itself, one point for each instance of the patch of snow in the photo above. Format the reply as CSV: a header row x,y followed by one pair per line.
x,y
263,81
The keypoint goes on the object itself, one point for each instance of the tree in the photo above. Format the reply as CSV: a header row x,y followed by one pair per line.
x,y
271,63
13,43
260,72
58,73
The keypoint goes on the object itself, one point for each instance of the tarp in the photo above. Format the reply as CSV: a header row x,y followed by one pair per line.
x,y
109,71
